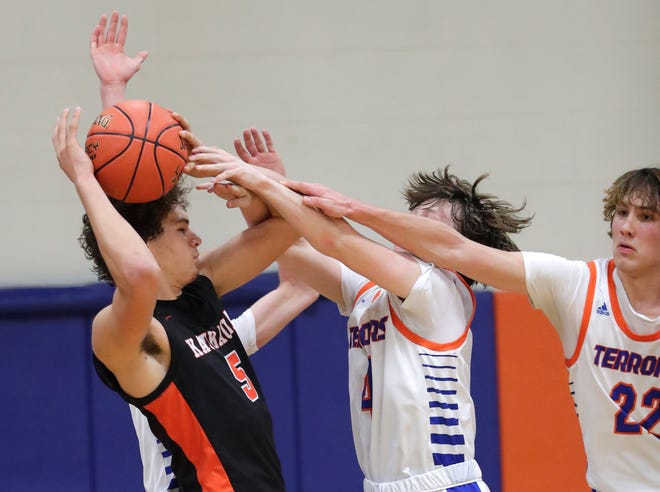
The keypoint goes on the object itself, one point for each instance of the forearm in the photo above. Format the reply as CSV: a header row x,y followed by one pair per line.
x,y
124,252
427,239
320,272
255,213
259,210
444,246
112,94
247,254
318,229
279,307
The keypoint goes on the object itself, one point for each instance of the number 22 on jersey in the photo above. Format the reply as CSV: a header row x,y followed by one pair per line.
x,y
625,396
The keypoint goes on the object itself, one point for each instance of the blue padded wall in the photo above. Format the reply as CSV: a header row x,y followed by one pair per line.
x,y
484,391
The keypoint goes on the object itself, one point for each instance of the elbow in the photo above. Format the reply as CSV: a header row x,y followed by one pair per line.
x,y
142,276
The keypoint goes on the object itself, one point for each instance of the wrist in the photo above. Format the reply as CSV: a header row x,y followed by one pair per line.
x,y
112,93
86,183
355,209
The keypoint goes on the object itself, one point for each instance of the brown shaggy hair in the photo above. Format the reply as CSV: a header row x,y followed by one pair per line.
x,y
480,217
643,184
145,218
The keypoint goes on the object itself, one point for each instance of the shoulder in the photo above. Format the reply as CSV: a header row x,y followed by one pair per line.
x,y
554,282
544,265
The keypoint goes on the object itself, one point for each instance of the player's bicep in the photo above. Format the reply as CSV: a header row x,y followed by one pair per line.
x,y
119,330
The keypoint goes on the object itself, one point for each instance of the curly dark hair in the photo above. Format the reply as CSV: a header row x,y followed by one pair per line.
x,y
481,217
145,218
641,183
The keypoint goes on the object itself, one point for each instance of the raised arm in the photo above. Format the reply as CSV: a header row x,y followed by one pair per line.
x,y
426,238
259,151
278,308
118,331
301,263
246,255
332,237
112,66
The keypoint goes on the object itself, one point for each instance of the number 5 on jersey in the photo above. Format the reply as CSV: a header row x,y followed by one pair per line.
x,y
234,362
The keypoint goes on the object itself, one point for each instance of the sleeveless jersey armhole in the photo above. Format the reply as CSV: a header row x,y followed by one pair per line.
x,y
439,347
360,292
586,313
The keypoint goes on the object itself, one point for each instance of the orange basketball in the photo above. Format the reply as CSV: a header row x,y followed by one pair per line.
x,y
136,150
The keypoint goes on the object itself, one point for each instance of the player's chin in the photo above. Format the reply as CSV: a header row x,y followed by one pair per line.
x,y
194,272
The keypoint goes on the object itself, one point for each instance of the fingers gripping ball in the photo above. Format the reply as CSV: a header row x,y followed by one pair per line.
x,y
136,150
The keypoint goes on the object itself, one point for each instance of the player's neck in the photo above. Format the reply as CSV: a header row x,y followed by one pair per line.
x,y
168,291
643,292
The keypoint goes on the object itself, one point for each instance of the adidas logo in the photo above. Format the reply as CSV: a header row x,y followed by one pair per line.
x,y
602,310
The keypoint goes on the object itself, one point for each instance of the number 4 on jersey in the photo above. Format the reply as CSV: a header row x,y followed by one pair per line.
x,y
366,390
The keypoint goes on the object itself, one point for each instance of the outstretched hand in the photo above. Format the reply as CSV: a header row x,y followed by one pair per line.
x,y
259,151
244,175
205,161
72,158
235,195
209,162
113,67
326,200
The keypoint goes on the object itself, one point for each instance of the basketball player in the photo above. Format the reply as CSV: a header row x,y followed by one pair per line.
x,y
409,340
606,313
165,343
268,315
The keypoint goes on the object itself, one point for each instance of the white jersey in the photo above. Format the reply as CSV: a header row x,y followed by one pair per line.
x,y
157,473
614,368
412,414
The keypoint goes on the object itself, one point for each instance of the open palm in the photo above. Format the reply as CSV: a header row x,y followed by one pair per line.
x,y
111,64
259,151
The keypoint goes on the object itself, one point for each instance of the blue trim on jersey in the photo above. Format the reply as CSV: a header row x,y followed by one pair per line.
x,y
438,367
432,378
452,439
443,405
441,392
447,459
443,421
441,380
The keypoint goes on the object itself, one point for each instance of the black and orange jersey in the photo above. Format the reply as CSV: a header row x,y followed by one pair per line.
x,y
209,410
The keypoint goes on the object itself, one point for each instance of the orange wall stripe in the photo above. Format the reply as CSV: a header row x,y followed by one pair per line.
x,y
541,447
